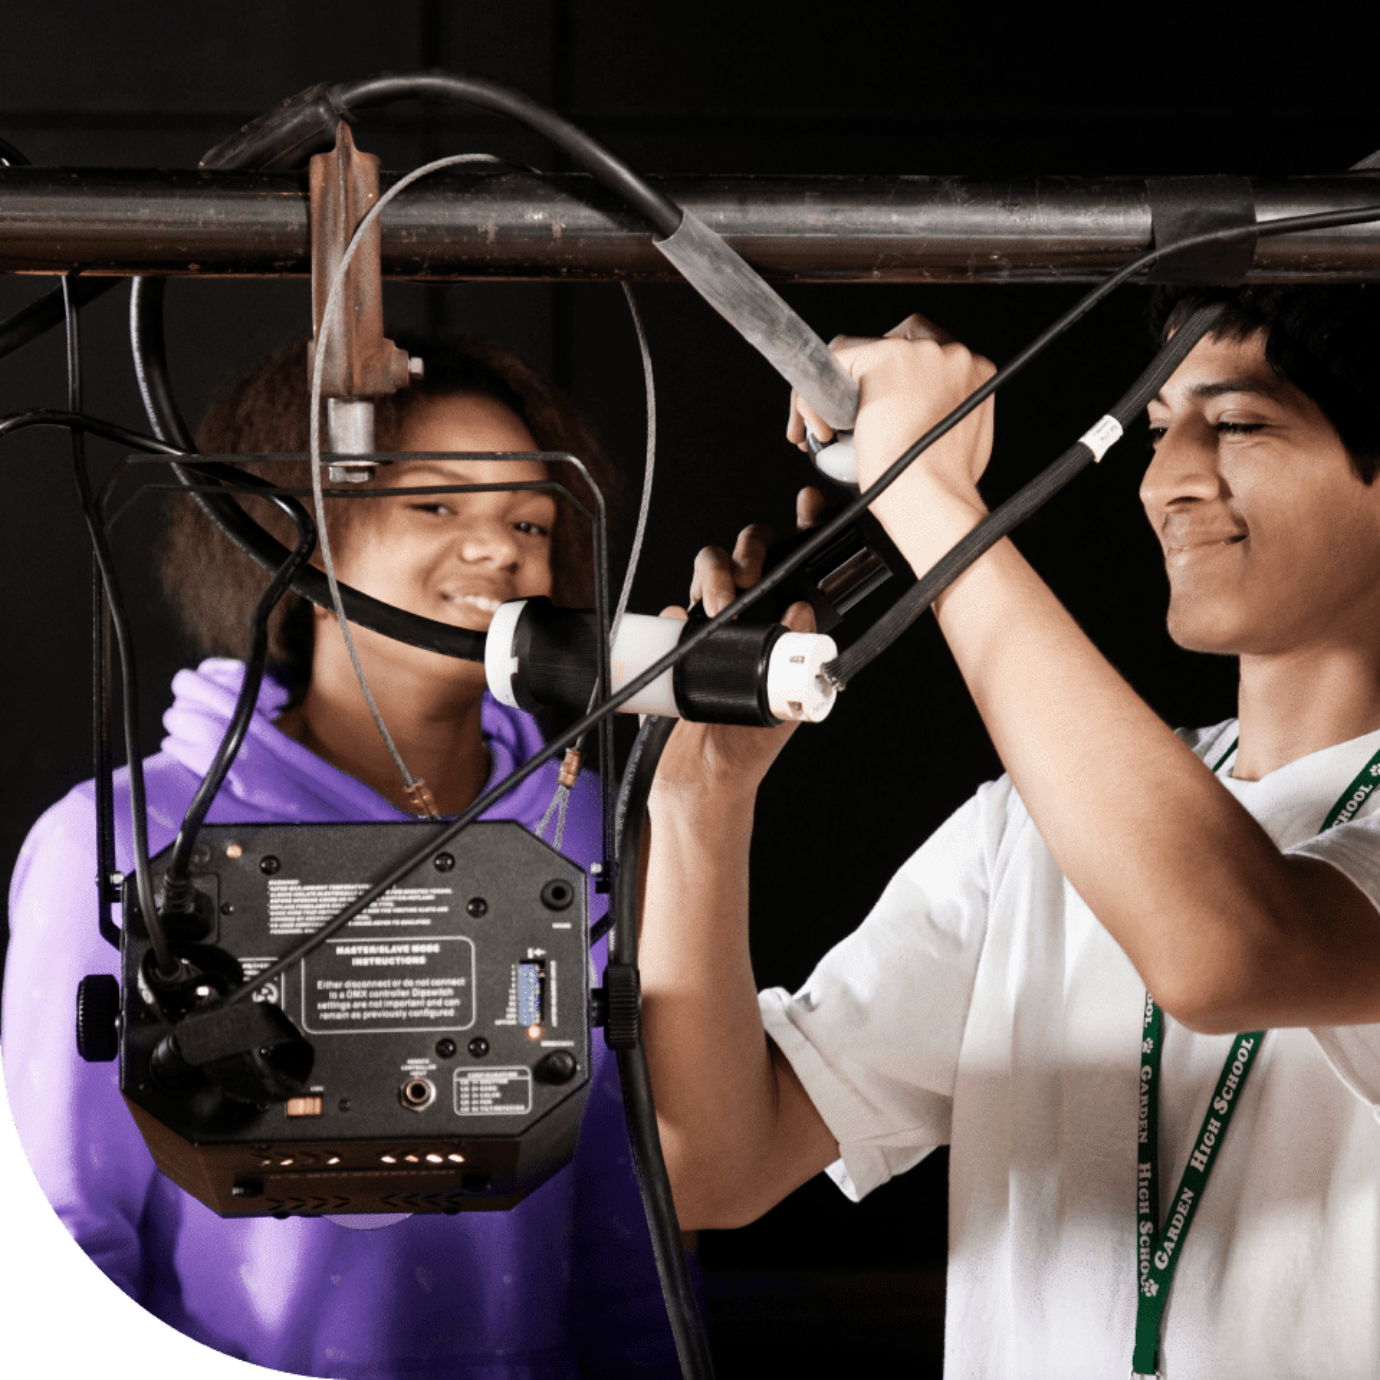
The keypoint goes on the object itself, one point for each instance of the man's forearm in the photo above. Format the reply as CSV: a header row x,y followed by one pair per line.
x,y
1195,892
734,1143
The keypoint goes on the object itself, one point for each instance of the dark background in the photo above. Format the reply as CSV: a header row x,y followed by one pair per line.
x,y
710,88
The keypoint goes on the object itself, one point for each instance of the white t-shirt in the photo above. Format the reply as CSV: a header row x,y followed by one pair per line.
x,y
981,1005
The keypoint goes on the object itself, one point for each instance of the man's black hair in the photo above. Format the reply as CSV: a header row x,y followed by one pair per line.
x,y
1322,338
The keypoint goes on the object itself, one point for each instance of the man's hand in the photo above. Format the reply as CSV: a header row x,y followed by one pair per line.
x,y
721,758
909,379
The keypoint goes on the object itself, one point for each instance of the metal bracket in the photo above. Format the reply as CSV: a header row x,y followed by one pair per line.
x,y
360,364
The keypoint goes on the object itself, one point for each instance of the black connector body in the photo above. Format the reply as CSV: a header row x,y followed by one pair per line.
x,y
723,680
844,571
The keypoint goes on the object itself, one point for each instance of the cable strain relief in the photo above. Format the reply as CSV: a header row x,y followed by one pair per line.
x,y
178,895
284,137
623,1006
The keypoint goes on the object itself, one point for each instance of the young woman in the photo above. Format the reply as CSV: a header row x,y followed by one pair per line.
x,y
564,1285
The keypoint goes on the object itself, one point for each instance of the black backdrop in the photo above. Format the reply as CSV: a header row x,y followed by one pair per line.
x,y
712,88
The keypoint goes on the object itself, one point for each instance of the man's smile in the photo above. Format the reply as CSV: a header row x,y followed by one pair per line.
x,y
1181,550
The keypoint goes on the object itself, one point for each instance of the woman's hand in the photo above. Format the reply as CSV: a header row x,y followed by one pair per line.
x,y
723,760
909,379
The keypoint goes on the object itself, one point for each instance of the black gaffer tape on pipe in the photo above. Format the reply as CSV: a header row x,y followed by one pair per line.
x,y
1181,207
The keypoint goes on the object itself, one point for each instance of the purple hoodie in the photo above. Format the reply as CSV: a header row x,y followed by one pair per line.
x,y
563,1285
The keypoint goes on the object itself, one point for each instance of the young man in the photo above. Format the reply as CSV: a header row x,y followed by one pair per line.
x,y
996,998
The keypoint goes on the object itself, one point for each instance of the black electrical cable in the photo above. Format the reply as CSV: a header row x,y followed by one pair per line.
x,y
604,165
849,513
166,962
1019,506
103,757
771,579
149,349
176,885
698,632
300,126
252,539
333,102
43,313
74,420
681,1306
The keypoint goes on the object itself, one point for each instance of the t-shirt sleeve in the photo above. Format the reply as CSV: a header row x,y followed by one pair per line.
x,y
875,1033
1353,1050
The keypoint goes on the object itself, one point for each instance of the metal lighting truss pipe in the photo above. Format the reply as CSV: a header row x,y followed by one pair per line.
x,y
472,225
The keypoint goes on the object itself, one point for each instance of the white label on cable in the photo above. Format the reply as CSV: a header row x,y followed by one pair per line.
x,y
1102,436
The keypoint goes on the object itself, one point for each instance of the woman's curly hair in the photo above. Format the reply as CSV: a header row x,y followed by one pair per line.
x,y
214,587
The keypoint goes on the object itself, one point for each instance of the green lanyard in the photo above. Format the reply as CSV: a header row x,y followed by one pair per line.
x,y
1158,1250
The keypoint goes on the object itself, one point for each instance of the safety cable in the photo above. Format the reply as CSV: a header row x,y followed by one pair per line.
x,y
150,355
150,362
561,799
649,466
414,789
103,756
